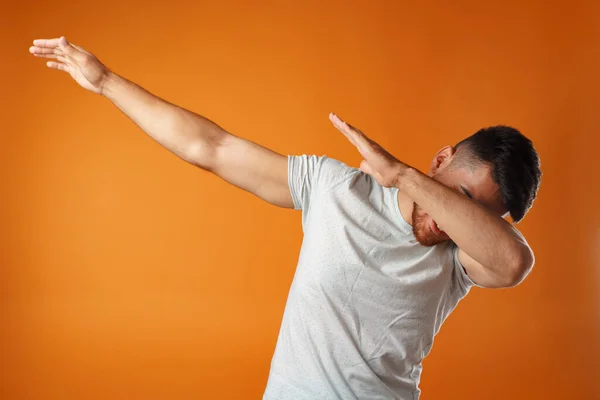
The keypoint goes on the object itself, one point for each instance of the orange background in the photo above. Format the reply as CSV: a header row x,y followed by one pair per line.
x,y
128,274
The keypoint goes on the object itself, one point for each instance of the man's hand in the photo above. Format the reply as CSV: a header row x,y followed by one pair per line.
x,y
381,165
82,65
190,136
492,251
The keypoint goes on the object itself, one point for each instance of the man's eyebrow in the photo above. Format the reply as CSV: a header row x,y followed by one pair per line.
x,y
466,192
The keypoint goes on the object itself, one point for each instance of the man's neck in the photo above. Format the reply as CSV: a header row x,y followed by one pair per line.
x,y
406,205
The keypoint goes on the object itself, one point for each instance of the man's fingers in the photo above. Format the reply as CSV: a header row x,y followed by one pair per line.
x,y
347,129
46,55
59,66
340,126
54,57
46,42
354,135
44,50
52,46
53,53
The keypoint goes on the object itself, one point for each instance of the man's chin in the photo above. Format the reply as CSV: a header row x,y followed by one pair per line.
x,y
429,240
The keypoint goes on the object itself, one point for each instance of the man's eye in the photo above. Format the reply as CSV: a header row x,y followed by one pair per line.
x,y
465,192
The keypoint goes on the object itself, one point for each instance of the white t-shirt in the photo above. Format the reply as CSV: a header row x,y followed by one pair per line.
x,y
367,299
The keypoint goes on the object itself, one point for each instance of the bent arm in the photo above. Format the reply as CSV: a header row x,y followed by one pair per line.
x,y
492,251
203,143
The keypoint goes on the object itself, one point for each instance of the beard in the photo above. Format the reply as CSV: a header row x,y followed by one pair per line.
x,y
422,229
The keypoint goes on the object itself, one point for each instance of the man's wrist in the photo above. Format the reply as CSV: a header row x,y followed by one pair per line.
x,y
406,177
108,83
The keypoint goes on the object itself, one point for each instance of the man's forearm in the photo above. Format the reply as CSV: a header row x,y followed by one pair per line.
x,y
483,235
186,134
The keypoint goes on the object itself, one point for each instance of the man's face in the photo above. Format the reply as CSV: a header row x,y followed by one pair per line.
x,y
474,182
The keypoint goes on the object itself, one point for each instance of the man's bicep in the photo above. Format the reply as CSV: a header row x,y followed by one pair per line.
x,y
254,168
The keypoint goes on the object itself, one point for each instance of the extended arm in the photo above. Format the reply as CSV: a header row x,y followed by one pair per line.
x,y
190,136
203,143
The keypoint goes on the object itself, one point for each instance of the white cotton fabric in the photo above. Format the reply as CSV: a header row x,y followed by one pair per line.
x,y
367,299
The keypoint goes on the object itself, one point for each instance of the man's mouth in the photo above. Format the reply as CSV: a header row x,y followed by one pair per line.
x,y
434,228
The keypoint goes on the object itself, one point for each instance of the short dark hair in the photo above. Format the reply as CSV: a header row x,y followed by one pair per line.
x,y
514,162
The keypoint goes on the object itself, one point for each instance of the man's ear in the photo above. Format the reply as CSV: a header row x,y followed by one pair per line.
x,y
441,160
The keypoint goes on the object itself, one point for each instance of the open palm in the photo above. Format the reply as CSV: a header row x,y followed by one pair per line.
x,y
82,65
378,162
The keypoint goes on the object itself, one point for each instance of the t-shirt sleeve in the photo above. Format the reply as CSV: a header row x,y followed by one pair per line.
x,y
310,174
459,275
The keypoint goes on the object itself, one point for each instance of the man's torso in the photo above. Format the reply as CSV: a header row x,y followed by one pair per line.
x,y
366,299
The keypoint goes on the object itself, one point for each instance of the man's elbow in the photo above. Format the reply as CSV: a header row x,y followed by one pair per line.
x,y
204,152
521,265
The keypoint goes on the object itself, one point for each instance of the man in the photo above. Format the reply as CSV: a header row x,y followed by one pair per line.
x,y
388,251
